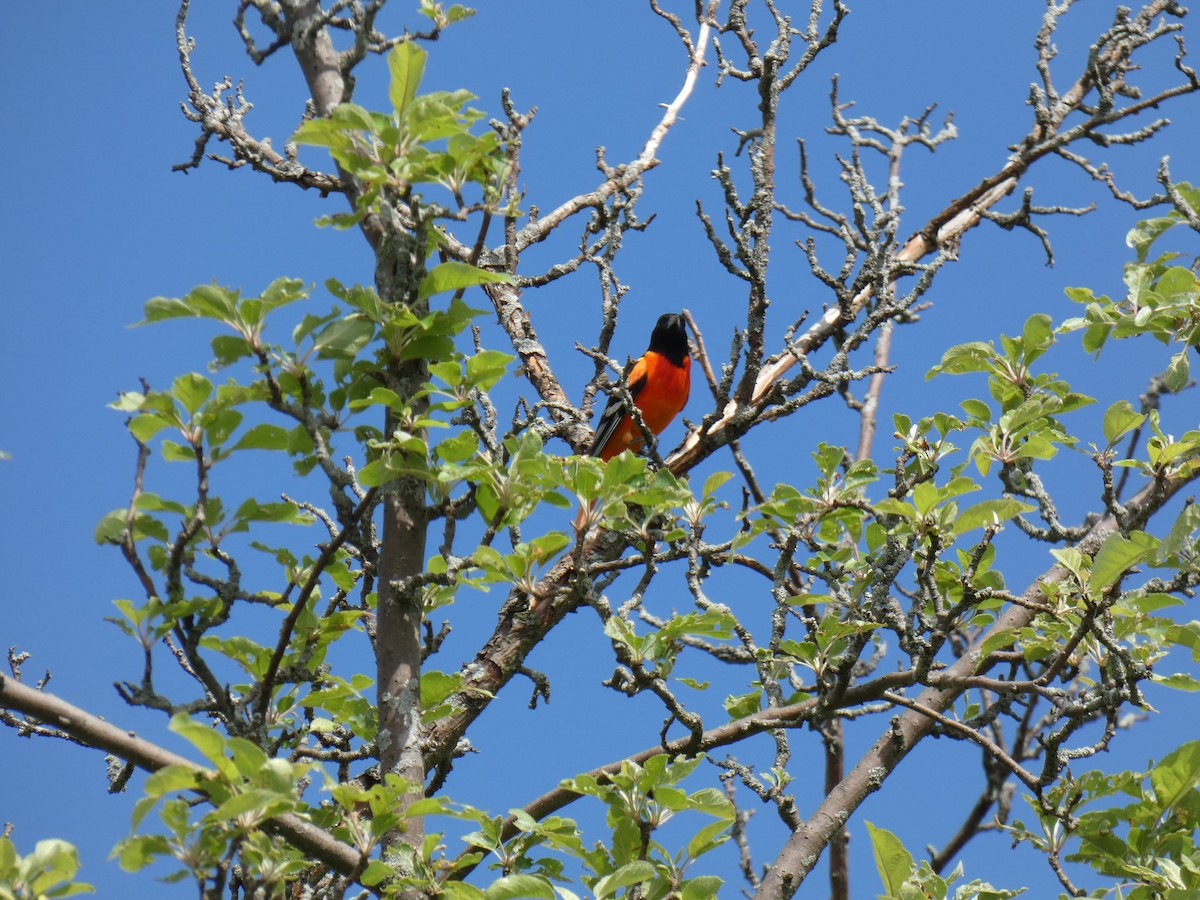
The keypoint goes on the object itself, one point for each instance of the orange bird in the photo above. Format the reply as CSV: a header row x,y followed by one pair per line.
x,y
659,384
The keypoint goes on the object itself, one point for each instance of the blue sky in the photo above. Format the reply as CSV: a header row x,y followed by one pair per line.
x,y
98,223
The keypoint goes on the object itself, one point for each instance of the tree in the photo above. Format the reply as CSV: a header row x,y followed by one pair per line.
x,y
882,595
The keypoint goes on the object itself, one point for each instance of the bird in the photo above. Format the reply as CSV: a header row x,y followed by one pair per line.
x,y
659,384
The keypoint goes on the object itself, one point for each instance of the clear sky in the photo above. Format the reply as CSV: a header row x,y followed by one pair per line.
x,y
97,223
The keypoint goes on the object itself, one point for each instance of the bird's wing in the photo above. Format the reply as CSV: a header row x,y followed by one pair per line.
x,y
615,410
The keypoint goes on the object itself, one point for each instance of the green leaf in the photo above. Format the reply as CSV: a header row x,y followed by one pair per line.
x,y
202,737
429,346
701,887
128,401
895,864
977,409
1146,233
228,349
1036,337
211,301
109,529
1179,538
1178,372
459,890
890,506
1119,420
176,452
515,887
708,838
406,64
386,468
828,458
925,495
1037,447
147,425
451,276
159,308
487,367
450,372
1179,681
261,802
206,301
984,513
631,873
743,705
171,780
250,510
379,396
713,482
151,502
191,390
458,448
1116,556
352,117
672,798
138,851
219,423
1177,775
1071,559
964,358
343,338
321,133
375,872
44,873
263,436
437,686
247,756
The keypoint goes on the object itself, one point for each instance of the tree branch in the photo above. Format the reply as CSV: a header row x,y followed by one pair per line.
x,y
93,731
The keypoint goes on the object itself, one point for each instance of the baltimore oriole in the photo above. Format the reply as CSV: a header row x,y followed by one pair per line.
x,y
659,384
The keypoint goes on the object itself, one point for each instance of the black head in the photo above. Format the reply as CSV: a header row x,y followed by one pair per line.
x,y
669,338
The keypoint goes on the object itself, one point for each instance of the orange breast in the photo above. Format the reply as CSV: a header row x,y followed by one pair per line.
x,y
660,400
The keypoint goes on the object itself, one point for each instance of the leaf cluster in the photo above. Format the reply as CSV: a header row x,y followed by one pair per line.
x,y
425,140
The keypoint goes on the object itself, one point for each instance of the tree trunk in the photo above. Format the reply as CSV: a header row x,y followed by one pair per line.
x,y
400,265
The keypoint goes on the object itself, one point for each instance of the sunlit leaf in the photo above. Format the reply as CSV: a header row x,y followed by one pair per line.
x,y
515,887
406,63
894,862
629,874
1119,420
1116,556
451,276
